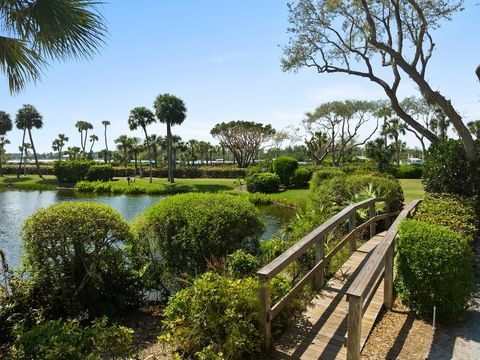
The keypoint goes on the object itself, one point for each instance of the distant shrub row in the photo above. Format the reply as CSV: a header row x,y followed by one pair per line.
x,y
406,171
70,172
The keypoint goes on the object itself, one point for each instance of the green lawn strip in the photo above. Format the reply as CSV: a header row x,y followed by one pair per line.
x,y
29,182
412,189
295,197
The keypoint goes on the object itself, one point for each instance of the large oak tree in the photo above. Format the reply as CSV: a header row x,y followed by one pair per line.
x,y
364,37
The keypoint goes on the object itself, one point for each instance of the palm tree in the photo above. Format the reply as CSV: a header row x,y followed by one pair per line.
x,y
83,126
141,117
393,129
93,139
440,124
38,31
73,152
59,143
135,147
123,145
474,128
3,141
170,110
106,123
28,118
192,147
5,123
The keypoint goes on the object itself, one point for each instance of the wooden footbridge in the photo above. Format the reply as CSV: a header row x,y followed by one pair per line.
x,y
337,322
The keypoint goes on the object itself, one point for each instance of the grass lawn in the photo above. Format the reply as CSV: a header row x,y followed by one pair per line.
x,y
29,182
412,189
297,197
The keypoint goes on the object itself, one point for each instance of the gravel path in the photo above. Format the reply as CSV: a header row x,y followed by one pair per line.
x,y
399,335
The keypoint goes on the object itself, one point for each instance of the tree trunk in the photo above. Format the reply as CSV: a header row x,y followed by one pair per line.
x,y
1,161
135,160
21,154
397,145
170,153
34,154
149,154
106,144
59,154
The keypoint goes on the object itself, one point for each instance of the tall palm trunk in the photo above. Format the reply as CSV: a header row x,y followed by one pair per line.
x,y
21,153
59,154
149,154
81,141
397,145
84,145
170,153
106,144
135,160
35,154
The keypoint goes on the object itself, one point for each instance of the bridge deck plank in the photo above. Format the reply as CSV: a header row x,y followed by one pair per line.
x,y
320,331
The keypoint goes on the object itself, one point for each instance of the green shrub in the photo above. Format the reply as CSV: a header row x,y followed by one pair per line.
x,y
260,167
71,171
100,172
284,167
301,177
85,186
219,315
242,264
447,170
434,268
323,174
263,183
406,171
449,210
75,259
189,230
58,339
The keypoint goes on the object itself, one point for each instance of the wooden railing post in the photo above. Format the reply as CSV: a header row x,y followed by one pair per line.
x,y
388,277
355,314
351,227
373,226
265,304
319,255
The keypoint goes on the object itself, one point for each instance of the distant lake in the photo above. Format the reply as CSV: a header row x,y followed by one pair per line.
x,y
16,206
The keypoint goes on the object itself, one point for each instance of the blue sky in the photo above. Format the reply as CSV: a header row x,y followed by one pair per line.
x,y
223,59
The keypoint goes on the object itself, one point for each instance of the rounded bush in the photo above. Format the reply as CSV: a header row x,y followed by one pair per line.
x,y
189,230
434,268
242,264
323,174
263,182
447,170
406,171
100,172
284,167
301,177
71,171
75,258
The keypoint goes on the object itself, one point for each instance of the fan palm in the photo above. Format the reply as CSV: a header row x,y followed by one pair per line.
x,y
393,129
83,126
5,123
59,143
170,110
141,117
28,118
35,31
93,140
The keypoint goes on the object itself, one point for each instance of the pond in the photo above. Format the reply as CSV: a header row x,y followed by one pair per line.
x,y
15,206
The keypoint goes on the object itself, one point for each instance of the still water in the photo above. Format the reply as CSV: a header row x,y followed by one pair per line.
x,y
15,206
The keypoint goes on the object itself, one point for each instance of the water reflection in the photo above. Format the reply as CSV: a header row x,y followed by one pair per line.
x,y
15,206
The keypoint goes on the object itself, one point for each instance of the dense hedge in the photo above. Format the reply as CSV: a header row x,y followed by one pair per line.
x,y
447,170
100,172
189,172
71,171
263,183
301,177
457,213
284,167
76,260
406,171
189,230
434,268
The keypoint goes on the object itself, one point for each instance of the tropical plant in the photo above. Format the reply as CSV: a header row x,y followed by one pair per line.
x,y
59,143
3,141
378,151
5,123
83,127
142,117
105,123
28,118
73,152
170,110
393,129
474,128
93,140
123,144
41,30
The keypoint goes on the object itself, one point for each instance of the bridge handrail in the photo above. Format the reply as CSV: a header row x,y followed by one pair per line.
x,y
315,238
379,266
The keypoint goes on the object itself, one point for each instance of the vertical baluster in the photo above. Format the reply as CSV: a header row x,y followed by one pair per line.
x,y
265,304
319,255
355,313
373,226
351,227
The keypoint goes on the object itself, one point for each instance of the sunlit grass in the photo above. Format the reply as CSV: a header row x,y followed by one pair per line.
x,y
412,189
